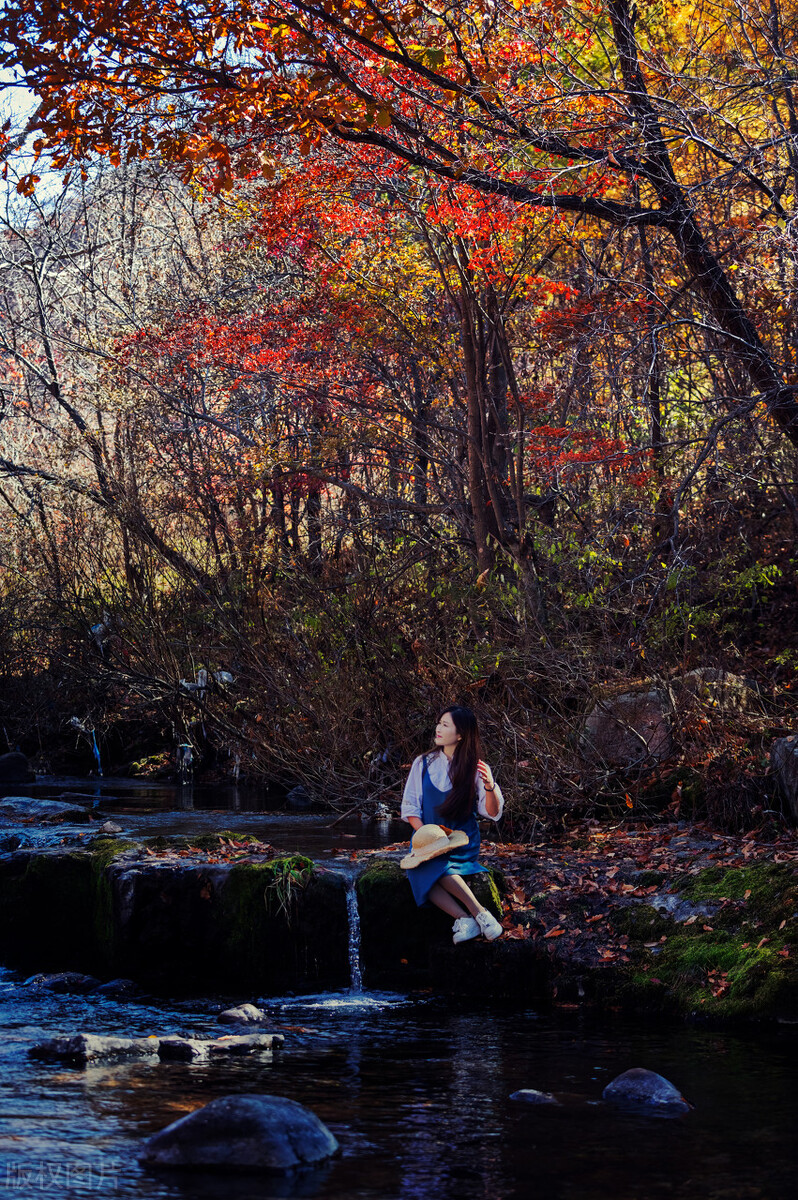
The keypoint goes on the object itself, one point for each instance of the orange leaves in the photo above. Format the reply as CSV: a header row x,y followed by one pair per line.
x,y
27,184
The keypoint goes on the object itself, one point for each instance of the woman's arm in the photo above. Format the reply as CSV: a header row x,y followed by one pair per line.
x,y
489,795
411,799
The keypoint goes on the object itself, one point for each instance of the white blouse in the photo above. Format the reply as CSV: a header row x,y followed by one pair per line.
x,y
439,774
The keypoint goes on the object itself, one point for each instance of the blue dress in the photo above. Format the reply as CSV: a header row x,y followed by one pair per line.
x,y
461,861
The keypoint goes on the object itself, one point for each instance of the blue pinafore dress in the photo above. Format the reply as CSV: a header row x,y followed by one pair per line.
x,y
461,861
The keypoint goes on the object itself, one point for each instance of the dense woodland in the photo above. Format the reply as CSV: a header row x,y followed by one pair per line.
x,y
370,355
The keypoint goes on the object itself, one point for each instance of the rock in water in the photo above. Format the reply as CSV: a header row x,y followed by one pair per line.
x,y
243,1133
533,1096
15,768
645,1090
188,1049
299,798
244,1014
83,1048
25,808
63,981
118,989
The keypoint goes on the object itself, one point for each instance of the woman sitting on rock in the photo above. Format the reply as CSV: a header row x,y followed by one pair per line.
x,y
443,794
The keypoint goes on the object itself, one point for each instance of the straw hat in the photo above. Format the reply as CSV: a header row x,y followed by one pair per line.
x,y
428,842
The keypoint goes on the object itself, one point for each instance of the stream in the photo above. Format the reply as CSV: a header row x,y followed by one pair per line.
x,y
415,1089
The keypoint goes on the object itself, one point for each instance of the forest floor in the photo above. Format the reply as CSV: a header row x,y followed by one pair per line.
x,y
671,916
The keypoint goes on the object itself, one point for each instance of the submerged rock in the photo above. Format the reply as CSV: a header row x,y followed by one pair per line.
x,y
244,1014
63,981
641,1089
243,1133
533,1096
118,989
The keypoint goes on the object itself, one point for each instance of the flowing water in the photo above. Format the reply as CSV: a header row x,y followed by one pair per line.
x,y
415,1088
417,1093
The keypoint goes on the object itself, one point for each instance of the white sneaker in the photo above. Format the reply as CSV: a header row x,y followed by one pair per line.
x,y
488,926
464,929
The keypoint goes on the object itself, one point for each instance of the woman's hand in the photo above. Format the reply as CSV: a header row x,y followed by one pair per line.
x,y
491,799
487,775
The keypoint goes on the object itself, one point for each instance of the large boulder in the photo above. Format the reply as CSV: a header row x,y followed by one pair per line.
x,y
628,732
644,1090
784,765
15,768
243,1133
721,689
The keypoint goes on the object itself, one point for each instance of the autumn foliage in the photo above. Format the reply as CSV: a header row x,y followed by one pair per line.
x,y
378,350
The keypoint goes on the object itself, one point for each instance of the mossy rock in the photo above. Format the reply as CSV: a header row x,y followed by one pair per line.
x,y
284,923
769,889
640,922
397,936
738,964
56,908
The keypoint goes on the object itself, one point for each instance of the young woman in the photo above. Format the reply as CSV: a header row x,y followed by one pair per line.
x,y
447,788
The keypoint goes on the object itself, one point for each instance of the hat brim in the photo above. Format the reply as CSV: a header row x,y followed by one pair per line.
x,y
445,845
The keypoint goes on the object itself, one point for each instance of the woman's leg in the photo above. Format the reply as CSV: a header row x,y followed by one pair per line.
x,y
457,887
442,898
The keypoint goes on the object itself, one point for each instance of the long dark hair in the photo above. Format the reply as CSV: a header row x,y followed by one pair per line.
x,y
460,802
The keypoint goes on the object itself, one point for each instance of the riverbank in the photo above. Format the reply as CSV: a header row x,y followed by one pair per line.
x,y
670,918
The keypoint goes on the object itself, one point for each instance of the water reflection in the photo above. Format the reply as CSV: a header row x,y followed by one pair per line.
x,y
417,1094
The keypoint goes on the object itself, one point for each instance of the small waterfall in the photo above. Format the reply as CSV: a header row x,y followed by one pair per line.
x,y
96,750
355,974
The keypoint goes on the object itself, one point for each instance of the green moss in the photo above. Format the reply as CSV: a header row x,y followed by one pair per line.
x,y
640,922
727,975
282,923
401,941
739,963
255,894
769,888
212,841
102,852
